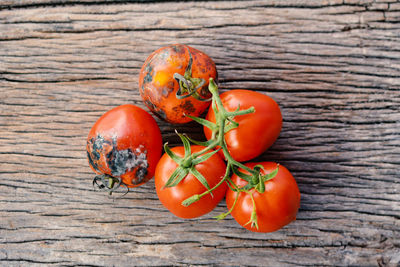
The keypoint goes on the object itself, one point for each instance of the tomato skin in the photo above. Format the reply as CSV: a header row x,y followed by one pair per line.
x,y
125,142
213,169
275,208
158,87
257,131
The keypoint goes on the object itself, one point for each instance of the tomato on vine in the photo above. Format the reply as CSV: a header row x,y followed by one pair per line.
x,y
271,204
173,82
177,179
262,197
255,132
123,147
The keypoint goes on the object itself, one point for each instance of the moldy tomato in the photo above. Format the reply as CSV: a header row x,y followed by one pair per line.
x,y
126,143
174,81
276,207
256,131
213,170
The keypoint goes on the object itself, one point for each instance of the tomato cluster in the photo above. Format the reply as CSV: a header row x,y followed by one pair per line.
x,y
177,83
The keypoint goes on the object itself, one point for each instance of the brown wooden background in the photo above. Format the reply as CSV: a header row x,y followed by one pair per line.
x,y
332,65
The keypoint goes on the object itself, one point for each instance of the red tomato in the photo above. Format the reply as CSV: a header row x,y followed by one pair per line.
x,y
213,170
158,86
257,131
275,208
125,142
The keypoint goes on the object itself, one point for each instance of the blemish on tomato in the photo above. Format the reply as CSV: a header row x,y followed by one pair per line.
x,y
91,162
139,161
165,92
169,88
156,111
164,55
149,77
188,106
118,161
178,49
95,149
126,160
204,92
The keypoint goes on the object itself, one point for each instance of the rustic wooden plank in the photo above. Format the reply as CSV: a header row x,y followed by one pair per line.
x,y
331,65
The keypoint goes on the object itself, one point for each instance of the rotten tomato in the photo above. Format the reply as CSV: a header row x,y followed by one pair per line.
x,y
173,82
125,144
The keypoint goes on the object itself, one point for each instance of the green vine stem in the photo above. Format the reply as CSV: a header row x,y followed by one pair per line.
x,y
224,123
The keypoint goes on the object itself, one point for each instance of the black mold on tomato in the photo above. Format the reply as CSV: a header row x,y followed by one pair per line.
x,y
97,146
149,77
188,106
140,161
118,161
123,161
94,148
91,162
141,173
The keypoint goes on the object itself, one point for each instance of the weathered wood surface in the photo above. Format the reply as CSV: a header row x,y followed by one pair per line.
x,y
333,66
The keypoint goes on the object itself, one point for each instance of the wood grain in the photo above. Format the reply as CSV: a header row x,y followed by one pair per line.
x,y
333,67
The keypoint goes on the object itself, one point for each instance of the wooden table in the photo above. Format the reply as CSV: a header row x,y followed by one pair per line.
x,y
333,66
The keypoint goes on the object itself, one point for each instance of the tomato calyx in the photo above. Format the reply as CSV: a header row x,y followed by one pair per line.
x,y
187,164
109,183
189,85
256,180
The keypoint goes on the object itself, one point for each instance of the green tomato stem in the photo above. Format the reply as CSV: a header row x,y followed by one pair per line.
x,y
219,183
197,197
223,215
222,116
204,150
240,112
253,217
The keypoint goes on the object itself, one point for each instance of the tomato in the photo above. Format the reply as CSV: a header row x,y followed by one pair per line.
x,y
257,131
213,170
125,142
158,87
275,207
